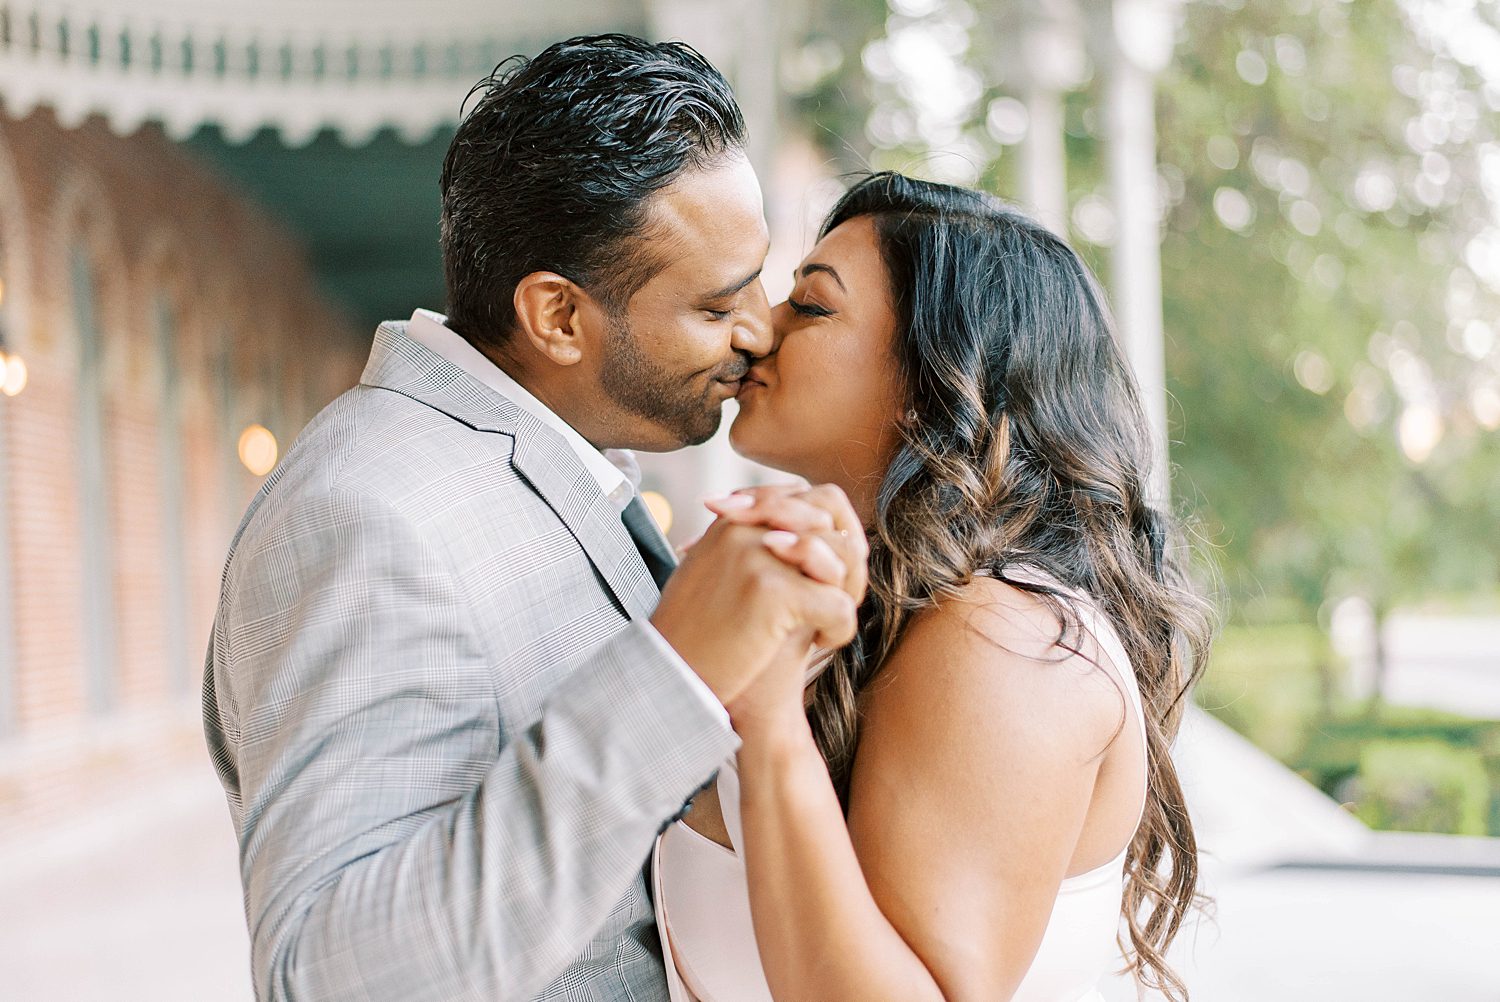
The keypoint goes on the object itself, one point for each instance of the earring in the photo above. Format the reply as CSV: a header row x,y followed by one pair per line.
x,y
911,416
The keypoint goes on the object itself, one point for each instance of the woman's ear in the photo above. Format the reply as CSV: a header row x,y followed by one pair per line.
x,y
547,313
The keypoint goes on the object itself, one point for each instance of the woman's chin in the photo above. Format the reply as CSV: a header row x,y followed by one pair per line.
x,y
742,438
749,436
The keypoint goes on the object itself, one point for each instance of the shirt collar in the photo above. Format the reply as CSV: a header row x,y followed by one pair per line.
x,y
430,329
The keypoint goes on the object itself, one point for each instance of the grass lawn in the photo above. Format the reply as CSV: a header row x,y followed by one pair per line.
x,y
1396,768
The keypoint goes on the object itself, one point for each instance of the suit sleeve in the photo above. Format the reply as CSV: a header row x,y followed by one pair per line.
x,y
396,842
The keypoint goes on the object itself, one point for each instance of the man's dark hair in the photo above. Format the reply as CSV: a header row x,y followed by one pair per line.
x,y
552,169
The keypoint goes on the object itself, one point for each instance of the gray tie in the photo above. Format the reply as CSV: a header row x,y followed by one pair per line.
x,y
649,540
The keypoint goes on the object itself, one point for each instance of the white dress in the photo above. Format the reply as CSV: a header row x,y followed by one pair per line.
x,y
703,903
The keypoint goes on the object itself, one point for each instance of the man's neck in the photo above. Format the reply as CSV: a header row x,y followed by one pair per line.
x,y
555,399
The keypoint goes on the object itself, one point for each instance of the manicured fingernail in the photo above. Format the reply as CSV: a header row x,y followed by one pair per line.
x,y
732,502
778,538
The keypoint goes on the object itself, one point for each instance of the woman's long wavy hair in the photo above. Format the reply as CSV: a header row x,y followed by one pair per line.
x,y
1025,445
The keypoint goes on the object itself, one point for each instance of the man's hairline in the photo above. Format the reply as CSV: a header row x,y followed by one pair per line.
x,y
651,225
619,310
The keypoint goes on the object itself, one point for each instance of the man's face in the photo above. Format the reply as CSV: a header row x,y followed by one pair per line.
x,y
679,348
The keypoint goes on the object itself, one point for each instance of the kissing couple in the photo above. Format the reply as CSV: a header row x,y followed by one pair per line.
x,y
898,735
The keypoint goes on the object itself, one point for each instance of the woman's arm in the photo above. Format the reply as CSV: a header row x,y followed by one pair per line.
x,y
978,754
820,932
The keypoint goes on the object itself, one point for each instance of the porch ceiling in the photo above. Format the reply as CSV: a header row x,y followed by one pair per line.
x,y
367,215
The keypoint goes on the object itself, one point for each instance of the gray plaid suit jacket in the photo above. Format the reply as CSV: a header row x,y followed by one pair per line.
x,y
447,735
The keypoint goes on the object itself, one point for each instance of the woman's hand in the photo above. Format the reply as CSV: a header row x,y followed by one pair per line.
x,y
822,512
772,707
816,530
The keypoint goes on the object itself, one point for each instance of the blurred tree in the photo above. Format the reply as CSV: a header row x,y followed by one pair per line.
x,y
1331,262
1332,173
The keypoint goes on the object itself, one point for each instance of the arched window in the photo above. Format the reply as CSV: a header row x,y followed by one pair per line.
x,y
228,403
98,563
174,521
7,563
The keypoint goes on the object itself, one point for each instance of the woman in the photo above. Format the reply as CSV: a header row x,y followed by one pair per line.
x,y
962,803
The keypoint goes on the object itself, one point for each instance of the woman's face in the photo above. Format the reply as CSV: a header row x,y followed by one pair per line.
x,y
825,403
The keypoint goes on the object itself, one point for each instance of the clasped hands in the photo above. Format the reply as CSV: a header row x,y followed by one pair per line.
x,y
778,575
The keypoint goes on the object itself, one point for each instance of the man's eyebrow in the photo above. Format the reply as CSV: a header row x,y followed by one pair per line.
x,y
808,269
730,290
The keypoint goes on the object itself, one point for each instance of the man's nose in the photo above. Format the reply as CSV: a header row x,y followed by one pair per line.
x,y
753,334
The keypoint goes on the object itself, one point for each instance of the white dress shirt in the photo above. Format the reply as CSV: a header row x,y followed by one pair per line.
x,y
430,329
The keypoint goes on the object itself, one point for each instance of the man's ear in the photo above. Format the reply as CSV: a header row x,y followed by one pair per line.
x,y
550,313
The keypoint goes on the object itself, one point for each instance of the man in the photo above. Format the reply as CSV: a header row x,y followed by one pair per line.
x,y
447,708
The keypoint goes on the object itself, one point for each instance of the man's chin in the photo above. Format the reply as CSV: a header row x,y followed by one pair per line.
x,y
671,435
706,429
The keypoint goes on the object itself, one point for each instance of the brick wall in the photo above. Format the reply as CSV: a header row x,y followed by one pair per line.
x,y
158,231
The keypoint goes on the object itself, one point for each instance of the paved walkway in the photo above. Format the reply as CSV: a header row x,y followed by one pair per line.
x,y
1319,936
142,902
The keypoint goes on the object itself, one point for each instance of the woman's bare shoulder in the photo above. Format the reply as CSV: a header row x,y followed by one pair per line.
x,y
1003,660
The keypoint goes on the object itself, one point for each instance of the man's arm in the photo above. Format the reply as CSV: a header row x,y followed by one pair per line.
x,y
396,844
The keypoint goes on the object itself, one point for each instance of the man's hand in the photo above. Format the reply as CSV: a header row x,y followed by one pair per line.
x,y
822,513
734,604
814,529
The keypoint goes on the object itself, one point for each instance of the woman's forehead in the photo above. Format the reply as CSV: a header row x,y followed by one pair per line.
x,y
851,246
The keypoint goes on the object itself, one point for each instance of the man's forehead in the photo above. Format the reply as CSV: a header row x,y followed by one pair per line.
x,y
718,202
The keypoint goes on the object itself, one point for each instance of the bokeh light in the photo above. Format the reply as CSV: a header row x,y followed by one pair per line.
x,y
258,449
660,509
13,375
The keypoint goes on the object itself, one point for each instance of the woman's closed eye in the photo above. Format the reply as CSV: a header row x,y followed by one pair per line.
x,y
807,309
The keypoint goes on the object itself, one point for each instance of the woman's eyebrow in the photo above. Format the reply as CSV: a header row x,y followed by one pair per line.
x,y
813,266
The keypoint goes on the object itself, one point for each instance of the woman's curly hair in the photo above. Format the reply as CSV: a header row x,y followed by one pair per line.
x,y
1026,445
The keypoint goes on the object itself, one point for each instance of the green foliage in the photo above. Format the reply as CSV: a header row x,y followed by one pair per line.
x,y
834,105
1335,759
1277,686
1321,166
1301,336
1266,683
1422,786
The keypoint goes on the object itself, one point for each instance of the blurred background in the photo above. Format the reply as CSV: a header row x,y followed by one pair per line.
x,y
205,208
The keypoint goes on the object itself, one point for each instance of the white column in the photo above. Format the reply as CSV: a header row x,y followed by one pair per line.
x,y
1134,42
1044,161
1136,259
1048,53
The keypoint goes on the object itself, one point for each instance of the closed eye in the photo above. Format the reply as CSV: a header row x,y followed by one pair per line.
x,y
718,314
807,309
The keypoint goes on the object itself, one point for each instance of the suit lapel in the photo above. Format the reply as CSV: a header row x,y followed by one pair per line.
x,y
408,367
555,472
538,454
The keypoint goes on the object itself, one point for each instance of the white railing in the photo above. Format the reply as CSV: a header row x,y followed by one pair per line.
x,y
355,66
